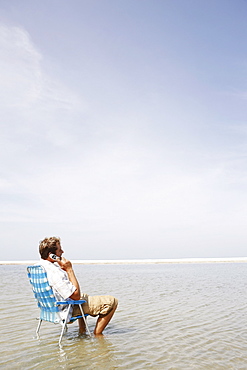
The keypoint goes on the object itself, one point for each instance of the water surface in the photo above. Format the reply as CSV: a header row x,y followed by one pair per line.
x,y
170,316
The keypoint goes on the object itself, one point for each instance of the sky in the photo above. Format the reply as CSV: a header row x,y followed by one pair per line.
x,y
123,128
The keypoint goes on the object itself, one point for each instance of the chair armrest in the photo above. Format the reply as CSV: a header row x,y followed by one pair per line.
x,y
80,301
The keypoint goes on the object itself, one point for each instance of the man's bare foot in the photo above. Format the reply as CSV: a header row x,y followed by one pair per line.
x,y
98,335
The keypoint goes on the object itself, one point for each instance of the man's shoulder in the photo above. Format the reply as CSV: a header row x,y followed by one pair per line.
x,y
48,266
42,263
53,270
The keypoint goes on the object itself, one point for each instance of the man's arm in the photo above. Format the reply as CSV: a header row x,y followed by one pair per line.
x,y
66,265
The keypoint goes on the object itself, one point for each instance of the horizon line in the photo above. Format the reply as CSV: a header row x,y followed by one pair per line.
x,y
142,261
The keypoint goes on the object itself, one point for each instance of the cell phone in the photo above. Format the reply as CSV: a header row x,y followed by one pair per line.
x,y
54,257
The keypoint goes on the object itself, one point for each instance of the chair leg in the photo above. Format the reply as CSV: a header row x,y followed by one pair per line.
x,y
64,326
38,327
85,321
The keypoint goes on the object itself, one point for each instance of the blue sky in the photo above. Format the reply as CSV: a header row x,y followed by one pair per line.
x,y
123,128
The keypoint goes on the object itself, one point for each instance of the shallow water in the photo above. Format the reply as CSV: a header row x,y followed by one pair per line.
x,y
170,316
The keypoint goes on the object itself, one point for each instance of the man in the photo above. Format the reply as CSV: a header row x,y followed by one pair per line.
x,y
65,286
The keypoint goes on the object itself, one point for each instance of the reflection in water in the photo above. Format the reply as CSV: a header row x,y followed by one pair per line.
x,y
97,352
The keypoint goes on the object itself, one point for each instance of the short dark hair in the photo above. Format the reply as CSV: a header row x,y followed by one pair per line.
x,y
47,246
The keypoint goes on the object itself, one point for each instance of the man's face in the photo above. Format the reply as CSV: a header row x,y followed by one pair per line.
x,y
59,250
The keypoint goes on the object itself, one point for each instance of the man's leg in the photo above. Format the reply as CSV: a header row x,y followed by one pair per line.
x,y
102,322
82,327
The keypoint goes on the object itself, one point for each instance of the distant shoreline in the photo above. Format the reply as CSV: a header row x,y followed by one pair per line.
x,y
141,261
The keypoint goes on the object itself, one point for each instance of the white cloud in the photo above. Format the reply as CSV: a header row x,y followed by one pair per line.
x,y
28,94
20,70
38,113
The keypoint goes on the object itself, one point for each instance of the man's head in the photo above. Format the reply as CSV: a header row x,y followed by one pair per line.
x,y
47,246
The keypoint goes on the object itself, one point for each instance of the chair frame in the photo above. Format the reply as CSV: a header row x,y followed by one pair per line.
x,y
47,303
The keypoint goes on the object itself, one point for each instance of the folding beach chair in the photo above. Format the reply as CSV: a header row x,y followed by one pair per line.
x,y
47,303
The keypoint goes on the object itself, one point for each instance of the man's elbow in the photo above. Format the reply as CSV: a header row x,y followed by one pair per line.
x,y
76,295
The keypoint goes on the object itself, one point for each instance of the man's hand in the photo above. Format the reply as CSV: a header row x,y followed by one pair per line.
x,y
64,264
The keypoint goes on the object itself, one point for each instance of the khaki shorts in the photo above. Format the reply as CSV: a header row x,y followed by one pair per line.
x,y
96,305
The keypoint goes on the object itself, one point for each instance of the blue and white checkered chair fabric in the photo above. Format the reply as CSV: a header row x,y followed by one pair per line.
x,y
43,293
46,301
